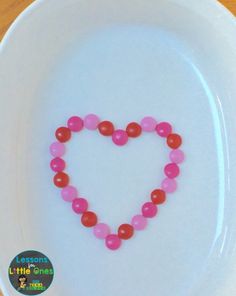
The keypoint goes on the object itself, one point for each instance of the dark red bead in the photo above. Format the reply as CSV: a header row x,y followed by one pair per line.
x,y
125,231
133,130
63,134
61,179
89,219
174,141
158,196
106,128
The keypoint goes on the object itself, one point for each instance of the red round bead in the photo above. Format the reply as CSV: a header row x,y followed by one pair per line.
x,y
158,196
61,179
125,231
63,134
106,128
174,141
89,219
133,130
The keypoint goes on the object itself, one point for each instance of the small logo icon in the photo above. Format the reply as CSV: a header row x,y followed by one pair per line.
x,y
31,273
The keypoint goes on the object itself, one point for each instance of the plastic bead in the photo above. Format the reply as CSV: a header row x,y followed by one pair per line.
x,y
174,141
139,222
163,129
63,134
106,128
57,164
101,230
69,193
79,205
177,156
169,185
133,130
113,242
61,180
171,170
75,124
120,137
57,149
148,124
149,210
125,231
91,122
158,196
89,219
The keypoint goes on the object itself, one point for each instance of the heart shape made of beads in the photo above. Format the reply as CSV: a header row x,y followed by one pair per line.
x,y
119,137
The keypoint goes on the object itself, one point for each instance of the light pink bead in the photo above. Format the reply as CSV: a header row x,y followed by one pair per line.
x,y
91,121
171,170
57,149
149,210
177,156
57,164
69,193
148,124
139,222
164,129
75,124
79,205
113,242
169,185
101,230
120,137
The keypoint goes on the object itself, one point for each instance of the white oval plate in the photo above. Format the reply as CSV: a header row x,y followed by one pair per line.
x,y
121,59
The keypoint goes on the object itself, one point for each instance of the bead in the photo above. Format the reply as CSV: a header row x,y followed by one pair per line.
x,y
113,242
149,210
148,124
169,185
106,128
63,134
57,149
125,231
120,137
171,170
101,230
61,179
177,156
89,219
57,164
69,193
139,222
158,196
91,121
163,129
174,141
75,124
133,130
79,205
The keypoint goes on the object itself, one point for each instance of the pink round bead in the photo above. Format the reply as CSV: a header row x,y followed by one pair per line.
x,y
169,185
177,156
120,137
139,222
91,121
149,210
57,149
69,193
113,242
101,230
171,170
164,129
148,124
75,124
79,205
57,164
